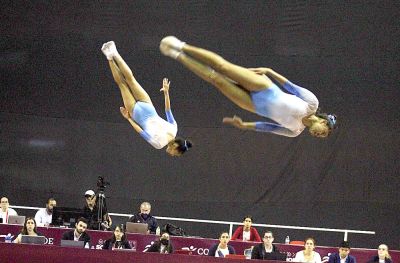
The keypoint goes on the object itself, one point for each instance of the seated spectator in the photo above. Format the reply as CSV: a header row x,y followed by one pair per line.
x,y
145,217
266,250
246,232
222,248
44,215
91,212
79,233
342,255
5,210
29,229
163,245
308,254
118,240
383,255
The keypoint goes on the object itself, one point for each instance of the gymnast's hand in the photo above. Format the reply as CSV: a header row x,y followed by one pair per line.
x,y
165,87
124,113
236,121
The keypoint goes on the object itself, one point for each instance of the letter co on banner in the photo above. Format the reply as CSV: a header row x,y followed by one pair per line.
x,y
199,251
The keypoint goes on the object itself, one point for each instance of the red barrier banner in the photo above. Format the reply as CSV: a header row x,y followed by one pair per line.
x,y
198,246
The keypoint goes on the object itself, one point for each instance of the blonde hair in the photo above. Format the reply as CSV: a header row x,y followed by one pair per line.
x,y
387,251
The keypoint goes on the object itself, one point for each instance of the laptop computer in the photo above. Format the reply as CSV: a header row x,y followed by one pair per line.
x,y
280,256
16,220
139,228
72,243
25,239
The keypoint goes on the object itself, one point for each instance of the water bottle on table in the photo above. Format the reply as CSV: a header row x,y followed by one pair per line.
x,y
8,238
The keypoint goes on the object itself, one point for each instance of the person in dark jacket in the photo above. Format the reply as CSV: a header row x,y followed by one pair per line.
x,y
118,240
163,245
383,255
79,233
145,217
343,254
267,250
222,248
91,212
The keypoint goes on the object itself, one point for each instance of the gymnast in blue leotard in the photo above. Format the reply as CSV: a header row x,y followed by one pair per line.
x,y
292,108
139,110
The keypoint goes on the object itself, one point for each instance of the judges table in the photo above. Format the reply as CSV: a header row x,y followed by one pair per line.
x,y
22,253
140,243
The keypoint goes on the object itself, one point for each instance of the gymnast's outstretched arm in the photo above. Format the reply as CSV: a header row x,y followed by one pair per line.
x,y
259,126
168,112
165,89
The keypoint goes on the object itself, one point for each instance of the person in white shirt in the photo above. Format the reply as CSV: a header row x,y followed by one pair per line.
x,y
308,254
5,210
222,248
44,216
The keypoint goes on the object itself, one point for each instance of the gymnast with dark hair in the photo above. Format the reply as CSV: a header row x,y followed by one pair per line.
x,y
253,90
139,110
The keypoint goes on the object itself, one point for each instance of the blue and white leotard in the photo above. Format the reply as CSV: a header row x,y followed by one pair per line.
x,y
156,130
286,109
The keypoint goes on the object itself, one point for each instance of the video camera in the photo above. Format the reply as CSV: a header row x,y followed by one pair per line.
x,y
101,184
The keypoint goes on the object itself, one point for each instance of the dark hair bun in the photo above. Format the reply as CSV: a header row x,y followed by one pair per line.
x,y
189,144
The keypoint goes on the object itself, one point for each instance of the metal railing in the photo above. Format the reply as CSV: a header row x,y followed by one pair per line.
x,y
231,224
